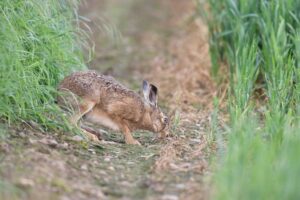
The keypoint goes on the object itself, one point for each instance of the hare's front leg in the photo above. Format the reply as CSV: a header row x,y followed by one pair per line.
x,y
128,137
84,107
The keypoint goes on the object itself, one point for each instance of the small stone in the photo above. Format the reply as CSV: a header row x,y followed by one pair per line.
x,y
92,151
107,159
180,186
169,197
33,124
63,145
84,167
22,134
4,147
77,138
50,142
32,141
25,183
64,198
111,168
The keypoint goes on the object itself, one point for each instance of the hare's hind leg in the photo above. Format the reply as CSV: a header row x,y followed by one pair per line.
x,y
84,107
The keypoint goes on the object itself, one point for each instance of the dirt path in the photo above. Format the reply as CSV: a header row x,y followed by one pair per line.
x,y
159,40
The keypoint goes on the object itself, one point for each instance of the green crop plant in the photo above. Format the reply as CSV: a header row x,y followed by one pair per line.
x,y
259,42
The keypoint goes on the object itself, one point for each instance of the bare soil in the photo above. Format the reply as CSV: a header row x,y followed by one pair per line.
x,y
164,42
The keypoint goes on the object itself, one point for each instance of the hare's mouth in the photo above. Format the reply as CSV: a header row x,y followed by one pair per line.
x,y
158,129
155,128
166,128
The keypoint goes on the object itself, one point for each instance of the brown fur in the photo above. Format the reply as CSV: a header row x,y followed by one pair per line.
x,y
103,100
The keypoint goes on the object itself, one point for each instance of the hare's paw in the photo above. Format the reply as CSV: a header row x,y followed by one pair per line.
x,y
90,136
133,141
163,134
94,138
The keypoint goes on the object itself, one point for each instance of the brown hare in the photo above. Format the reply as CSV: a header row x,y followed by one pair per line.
x,y
101,99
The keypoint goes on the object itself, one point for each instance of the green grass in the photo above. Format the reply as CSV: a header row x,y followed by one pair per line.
x,y
9,191
40,43
260,43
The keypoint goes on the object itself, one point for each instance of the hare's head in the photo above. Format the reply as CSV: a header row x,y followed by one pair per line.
x,y
157,121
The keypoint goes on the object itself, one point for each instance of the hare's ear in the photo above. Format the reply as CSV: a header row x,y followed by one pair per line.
x,y
153,95
146,90
150,93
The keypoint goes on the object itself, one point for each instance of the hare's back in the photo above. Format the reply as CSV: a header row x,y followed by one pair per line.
x,y
91,85
82,84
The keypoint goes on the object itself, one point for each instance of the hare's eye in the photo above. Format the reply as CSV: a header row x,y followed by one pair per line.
x,y
165,120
